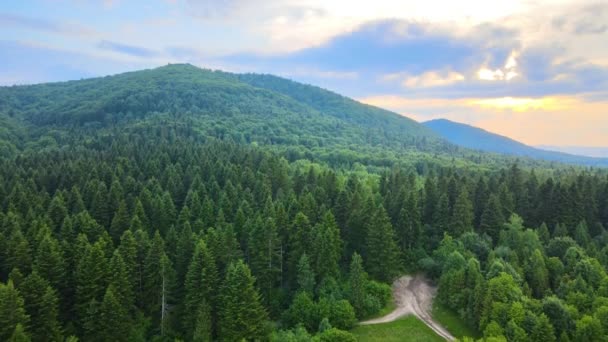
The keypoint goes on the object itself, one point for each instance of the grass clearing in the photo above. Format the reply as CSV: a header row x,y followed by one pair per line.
x,y
452,322
406,329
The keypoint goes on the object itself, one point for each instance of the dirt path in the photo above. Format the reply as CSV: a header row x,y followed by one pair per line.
x,y
413,296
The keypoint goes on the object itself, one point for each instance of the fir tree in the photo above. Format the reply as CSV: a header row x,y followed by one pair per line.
x,y
12,311
357,282
241,313
492,218
200,282
326,250
462,215
306,276
381,249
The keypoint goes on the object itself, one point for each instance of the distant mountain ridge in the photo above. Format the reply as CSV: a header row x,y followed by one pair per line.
x,y
479,139
587,151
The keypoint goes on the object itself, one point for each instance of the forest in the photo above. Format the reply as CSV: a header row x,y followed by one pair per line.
x,y
188,205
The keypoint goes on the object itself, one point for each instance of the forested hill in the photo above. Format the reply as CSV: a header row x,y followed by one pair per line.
x,y
246,108
187,204
476,138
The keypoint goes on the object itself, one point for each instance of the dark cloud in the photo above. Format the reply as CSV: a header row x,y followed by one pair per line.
x,y
394,46
127,49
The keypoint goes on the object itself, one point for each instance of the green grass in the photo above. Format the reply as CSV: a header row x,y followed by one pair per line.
x,y
406,329
452,322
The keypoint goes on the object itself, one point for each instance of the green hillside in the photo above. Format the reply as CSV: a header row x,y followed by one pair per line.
x,y
245,108
194,205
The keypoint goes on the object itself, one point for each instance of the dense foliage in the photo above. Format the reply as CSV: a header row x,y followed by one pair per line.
x,y
144,225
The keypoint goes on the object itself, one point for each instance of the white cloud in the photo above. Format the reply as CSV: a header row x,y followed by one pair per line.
x,y
433,79
507,73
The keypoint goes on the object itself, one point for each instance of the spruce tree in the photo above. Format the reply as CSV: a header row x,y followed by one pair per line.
x,y
306,276
265,258
462,214
158,283
113,318
381,249
41,304
242,316
12,311
19,335
201,282
492,219
326,249
357,281
121,282
120,223
50,263
91,280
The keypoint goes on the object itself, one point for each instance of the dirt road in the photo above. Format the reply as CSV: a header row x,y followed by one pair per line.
x,y
413,295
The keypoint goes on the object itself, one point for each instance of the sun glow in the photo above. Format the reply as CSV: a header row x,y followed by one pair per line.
x,y
520,104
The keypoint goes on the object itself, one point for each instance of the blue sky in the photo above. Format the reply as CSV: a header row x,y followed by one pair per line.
x,y
536,71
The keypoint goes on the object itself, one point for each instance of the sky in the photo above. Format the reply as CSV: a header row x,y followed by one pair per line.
x,y
533,70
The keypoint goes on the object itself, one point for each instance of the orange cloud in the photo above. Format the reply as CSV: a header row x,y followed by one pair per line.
x,y
558,120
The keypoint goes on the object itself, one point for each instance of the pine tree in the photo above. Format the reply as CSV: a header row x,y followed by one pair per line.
x,y
241,313
100,207
409,226
19,335
185,250
158,284
50,263
200,283
441,217
203,328
431,198
462,214
41,304
537,274
492,218
543,330
12,311
113,318
357,282
306,276
120,223
18,254
381,249
326,249
91,281
121,282
57,211
265,262
300,242
129,254
543,233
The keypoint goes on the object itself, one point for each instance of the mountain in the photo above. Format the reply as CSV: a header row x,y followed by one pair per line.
x,y
589,151
480,139
247,108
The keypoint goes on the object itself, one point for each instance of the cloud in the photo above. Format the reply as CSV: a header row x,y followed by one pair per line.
x,y
212,9
390,46
543,120
26,63
587,20
433,79
19,21
127,49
